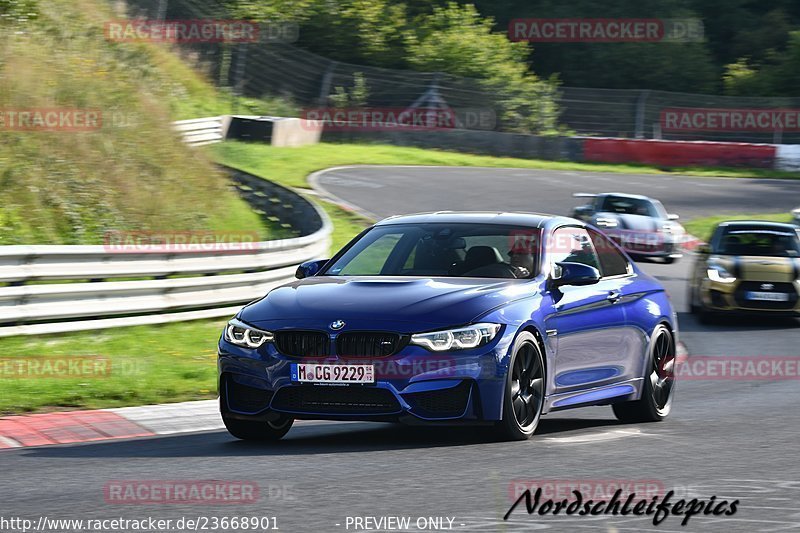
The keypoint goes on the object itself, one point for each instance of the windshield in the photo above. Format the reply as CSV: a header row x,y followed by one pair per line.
x,y
771,243
632,206
440,249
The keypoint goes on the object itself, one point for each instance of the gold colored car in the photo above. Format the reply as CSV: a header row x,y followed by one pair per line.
x,y
750,267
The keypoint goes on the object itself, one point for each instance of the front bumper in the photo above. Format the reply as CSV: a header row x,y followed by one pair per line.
x,y
649,244
413,386
733,297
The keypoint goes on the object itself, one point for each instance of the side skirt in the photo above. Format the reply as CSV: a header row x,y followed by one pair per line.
x,y
616,392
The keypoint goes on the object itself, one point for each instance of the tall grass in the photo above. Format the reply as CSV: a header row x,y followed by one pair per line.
x,y
133,173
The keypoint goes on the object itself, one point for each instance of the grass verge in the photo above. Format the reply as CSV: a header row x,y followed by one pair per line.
x,y
145,365
291,166
702,227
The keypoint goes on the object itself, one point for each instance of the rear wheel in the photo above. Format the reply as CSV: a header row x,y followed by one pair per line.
x,y
524,394
258,431
659,382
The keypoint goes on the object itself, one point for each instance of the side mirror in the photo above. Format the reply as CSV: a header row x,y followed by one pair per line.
x,y
576,274
672,216
310,268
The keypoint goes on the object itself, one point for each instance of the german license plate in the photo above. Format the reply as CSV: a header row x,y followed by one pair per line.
x,y
768,296
317,373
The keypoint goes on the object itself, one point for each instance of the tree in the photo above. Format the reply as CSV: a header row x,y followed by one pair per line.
x,y
777,75
356,31
672,66
456,40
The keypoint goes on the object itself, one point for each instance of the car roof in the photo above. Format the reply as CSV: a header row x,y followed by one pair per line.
x,y
626,195
535,220
757,224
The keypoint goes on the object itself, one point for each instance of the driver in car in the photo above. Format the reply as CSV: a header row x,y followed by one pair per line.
x,y
522,262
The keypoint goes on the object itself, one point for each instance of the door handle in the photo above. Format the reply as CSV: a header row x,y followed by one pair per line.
x,y
614,296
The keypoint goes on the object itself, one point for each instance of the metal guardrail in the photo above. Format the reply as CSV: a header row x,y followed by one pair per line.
x,y
83,287
200,131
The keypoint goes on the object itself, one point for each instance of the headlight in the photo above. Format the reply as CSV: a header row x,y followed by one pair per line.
x,y
605,222
240,334
456,339
672,228
718,273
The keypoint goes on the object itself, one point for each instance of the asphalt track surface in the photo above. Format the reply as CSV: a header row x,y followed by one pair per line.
x,y
725,438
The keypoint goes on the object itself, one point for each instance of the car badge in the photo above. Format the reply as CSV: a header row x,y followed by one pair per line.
x,y
767,286
336,325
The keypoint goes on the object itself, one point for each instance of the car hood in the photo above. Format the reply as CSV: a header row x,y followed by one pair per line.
x,y
634,222
759,268
420,302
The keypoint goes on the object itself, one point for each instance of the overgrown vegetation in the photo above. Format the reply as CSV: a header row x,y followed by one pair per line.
x,y
132,172
748,48
447,38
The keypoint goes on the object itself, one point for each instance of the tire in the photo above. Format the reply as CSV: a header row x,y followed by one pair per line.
x,y
670,260
258,431
659,382
524,393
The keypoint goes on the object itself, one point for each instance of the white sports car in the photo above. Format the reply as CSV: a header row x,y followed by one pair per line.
x,y
639,224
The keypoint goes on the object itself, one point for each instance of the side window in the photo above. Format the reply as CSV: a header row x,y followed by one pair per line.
x,y
573,245
612,261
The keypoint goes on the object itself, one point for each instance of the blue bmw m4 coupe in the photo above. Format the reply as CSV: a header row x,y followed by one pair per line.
x,y
453,318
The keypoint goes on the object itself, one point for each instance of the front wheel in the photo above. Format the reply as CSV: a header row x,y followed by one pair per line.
x,y
659,382
524,393
698,308
256,430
